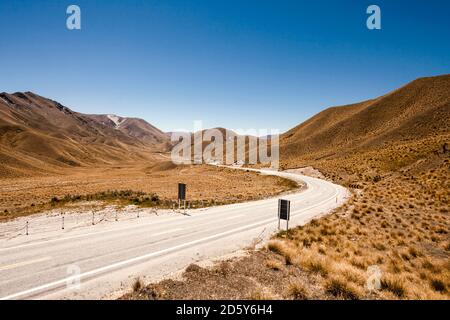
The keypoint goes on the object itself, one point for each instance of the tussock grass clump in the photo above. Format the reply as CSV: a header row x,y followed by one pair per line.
x,y
289,252
297,291
438,285
315,263
341,288
274,264
137,285
350,273
394,284
193,268
276,246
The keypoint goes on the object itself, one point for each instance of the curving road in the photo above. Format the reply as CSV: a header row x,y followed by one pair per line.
x,y
100,261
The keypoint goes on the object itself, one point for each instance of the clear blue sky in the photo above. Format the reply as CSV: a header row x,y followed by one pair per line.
x,y
235,64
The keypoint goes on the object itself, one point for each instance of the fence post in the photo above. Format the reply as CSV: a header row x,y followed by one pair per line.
x,y
27,227
93,213
63,222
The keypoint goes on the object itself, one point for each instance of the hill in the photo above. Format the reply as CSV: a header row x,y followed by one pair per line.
x,y
419,110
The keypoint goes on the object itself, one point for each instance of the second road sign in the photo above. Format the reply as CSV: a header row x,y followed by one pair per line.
x,y
181,191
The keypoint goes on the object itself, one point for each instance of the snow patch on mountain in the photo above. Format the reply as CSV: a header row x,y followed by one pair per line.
x,y
117,121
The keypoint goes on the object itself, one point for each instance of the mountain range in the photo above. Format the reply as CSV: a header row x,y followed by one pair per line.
x,y
41,136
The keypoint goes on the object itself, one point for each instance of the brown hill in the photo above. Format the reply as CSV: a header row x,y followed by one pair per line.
x,y
229,140
419,110
39,135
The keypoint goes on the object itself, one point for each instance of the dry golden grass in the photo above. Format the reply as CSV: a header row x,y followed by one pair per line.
x,y
274,264
418,111
341,288
398,222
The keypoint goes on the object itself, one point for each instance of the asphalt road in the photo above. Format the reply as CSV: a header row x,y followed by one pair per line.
x,y
101,261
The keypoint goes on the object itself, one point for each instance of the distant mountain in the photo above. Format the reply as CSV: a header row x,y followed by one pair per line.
x,y
39,135
418,110
134,127
230,140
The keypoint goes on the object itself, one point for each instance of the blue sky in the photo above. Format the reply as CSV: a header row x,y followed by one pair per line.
x,y
236,64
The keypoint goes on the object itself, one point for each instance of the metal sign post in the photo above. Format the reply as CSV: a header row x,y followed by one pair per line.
x,y
284,212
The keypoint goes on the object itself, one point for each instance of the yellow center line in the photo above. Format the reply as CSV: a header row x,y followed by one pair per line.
x,y
24,263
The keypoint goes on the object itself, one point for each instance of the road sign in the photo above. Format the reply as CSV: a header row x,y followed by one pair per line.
x,y
284,209
181,191
284,212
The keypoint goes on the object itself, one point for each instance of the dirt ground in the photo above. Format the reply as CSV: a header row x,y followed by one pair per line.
x,y
258,275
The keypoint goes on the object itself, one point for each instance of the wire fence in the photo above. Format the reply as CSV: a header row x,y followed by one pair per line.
x,y
54,221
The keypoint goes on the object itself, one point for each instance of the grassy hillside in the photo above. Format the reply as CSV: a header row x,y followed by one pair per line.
x,y
417,111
